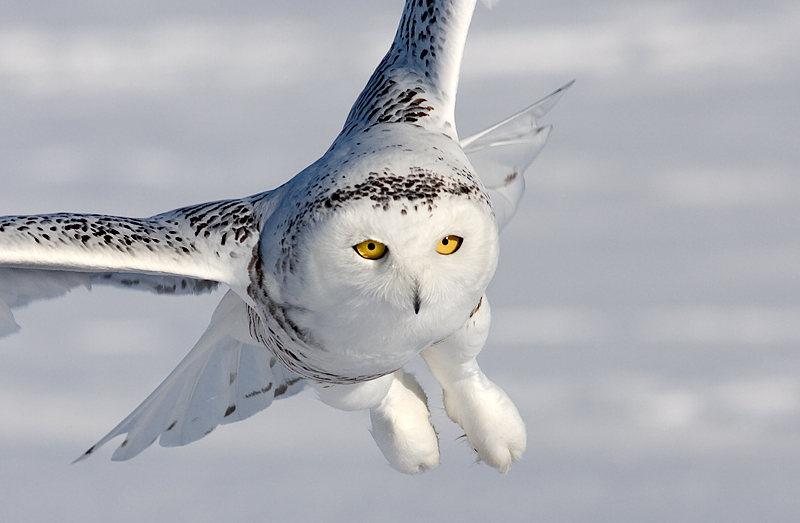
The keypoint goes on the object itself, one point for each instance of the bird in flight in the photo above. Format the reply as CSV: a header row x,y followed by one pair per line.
x,y
377,252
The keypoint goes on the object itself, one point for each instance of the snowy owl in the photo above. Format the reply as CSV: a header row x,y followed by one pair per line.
x,y
377,252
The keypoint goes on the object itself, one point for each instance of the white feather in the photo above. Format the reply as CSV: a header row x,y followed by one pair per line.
x,y
502,153
221,380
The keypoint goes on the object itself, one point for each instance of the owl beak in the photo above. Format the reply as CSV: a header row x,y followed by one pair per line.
x,y
417,300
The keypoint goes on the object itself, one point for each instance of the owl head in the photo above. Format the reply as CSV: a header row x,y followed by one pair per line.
x,y
394,254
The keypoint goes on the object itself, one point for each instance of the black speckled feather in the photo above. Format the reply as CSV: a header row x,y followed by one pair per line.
x,y
416,81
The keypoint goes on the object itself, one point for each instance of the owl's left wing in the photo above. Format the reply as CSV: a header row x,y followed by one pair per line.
x,y
416,81
226,377
501,154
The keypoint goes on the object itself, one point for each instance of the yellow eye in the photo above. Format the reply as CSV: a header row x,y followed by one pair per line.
x,y
449,244
370,249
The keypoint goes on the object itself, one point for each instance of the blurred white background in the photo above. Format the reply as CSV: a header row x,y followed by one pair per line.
x,y
647,304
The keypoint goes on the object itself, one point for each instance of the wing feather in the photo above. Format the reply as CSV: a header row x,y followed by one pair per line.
x,y
212,241
253,390
221,380
185,251
416,81
501,154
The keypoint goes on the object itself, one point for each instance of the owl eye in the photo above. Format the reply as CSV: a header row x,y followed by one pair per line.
x,y
449,244
370,249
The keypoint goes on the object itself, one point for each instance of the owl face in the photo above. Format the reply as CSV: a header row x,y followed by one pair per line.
x,y
380,281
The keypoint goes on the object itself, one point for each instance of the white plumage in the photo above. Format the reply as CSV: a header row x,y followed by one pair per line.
x,y
379,251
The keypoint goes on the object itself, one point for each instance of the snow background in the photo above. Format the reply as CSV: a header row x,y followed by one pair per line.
x,y
647,303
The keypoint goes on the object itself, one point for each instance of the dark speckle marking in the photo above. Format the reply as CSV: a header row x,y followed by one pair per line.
x,y
401,88
260,391
478,306
98,232
281,390
230,410
176,234
420,186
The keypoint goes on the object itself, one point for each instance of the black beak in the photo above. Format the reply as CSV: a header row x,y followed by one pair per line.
x,y
417,301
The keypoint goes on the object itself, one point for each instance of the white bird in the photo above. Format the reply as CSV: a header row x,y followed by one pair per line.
x,y
380,250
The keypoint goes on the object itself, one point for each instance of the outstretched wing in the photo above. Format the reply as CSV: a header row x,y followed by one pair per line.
x,y
223,379
187,250
501,154
211,241
417,79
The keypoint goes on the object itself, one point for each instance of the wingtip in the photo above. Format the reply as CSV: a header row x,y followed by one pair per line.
x,y
84,455
548,102
560,91
567,85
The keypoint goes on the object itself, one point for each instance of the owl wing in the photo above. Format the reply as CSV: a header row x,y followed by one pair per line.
x,y
187,250
417,79
226,377
501,154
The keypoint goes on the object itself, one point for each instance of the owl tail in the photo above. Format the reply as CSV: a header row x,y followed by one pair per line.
x,y
221,380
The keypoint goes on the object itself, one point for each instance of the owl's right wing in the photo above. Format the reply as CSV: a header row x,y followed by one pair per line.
x,y
187,250
501,154
227,376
